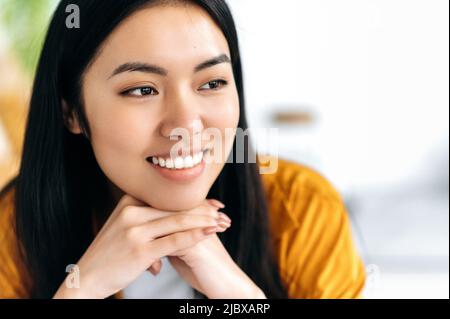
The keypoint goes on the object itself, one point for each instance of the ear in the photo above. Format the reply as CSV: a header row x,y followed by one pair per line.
x,y
70,120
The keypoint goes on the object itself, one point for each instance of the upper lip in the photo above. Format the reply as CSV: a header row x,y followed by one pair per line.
x,y
186,153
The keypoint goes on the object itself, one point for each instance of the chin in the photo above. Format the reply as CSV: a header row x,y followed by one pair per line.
x,y
176,202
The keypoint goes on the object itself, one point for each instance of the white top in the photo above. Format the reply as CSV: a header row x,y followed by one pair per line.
x,y
168,284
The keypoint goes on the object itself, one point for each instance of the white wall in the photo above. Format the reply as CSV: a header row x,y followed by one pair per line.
x,y
375,73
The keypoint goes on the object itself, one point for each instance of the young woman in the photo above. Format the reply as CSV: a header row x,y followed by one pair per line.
x,y
99,188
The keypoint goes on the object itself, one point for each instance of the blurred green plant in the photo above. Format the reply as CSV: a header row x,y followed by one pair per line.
x,y
24,23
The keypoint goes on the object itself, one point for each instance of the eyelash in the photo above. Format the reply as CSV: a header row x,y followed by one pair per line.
x,y
220,82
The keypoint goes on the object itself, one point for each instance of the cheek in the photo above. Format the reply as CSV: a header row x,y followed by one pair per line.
x,y
111,132
224,113
224,117
118,136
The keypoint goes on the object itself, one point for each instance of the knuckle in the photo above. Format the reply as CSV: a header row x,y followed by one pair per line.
x,y
181,221
127,213
193,237
208,220
177,240
125,200
212,212
131,234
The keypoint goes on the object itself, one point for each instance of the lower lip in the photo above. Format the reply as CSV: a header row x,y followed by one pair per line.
x,y
181,175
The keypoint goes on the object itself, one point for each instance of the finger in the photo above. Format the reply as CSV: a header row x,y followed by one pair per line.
x,y
155,264
152,271
178,223
164,246
128,200
146,214
155,268
204,209
138,215
216,203
223,215
181,267
183,251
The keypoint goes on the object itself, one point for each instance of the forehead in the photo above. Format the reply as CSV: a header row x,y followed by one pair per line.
x,y
170,35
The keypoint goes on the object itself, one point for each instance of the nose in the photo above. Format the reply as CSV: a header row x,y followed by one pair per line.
x,y
181,117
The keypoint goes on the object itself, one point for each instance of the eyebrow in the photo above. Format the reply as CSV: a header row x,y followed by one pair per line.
x,y
151,68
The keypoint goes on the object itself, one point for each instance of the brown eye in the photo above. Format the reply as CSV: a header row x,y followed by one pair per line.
x,y
214,85
140,92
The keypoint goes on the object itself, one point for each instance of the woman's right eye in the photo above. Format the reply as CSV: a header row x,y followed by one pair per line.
x,y
140,91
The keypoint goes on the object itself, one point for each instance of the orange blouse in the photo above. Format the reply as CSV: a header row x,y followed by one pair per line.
x,y
311,235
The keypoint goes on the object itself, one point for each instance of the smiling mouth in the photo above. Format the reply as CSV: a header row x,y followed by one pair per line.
x,y
179,162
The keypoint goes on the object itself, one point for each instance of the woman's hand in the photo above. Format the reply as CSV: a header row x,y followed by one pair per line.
x,y
209,268
134,237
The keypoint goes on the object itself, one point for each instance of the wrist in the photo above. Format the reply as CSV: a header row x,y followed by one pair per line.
x,y
79,290
252,291
242,290
69,293
245,288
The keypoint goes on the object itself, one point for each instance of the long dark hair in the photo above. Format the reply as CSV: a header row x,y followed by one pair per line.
x,y
60,184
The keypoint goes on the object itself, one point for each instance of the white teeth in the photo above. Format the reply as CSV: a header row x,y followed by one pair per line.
x,y
188,162
162,162
179,162
196,159
169,163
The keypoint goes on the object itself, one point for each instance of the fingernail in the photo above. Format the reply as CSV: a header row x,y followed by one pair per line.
x,y
222,229
223,216
217,203
222,220
224,224
211,230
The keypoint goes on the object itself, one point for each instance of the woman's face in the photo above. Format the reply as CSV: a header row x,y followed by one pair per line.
x,y
148,81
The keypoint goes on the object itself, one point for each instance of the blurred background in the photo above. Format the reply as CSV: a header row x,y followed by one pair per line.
x,y
359,90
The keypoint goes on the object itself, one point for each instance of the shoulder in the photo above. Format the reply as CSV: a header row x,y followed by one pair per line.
x,y
290,175
312,234
12,277
294,189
